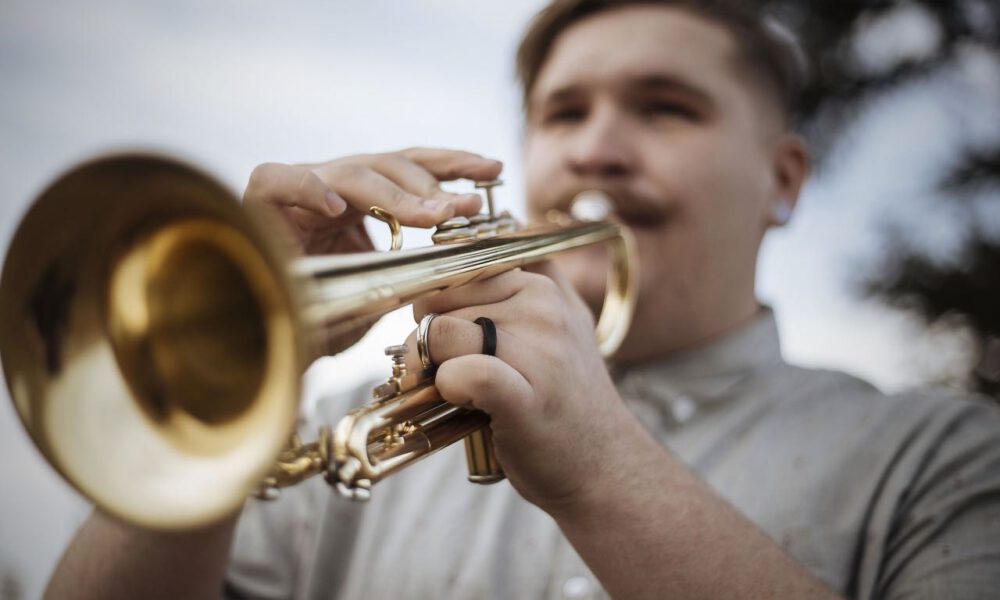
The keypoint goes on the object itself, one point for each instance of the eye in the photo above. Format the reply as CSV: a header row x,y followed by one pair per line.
x,y
565,115
666,108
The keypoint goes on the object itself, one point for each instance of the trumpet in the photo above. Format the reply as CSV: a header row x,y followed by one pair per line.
x,y
154,333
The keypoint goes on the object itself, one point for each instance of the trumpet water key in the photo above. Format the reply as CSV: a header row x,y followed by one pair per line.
x,y
154,333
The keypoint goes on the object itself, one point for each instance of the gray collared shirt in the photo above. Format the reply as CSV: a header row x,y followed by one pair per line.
x,y
878,496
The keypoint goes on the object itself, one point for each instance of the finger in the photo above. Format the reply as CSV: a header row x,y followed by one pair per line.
x,y
363,187
419,181
320,235
448,337
485,383
551,270
492,290
448,165
275,184
539,291
569,293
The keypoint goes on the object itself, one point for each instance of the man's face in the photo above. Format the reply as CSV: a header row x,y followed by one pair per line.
x,y
648,104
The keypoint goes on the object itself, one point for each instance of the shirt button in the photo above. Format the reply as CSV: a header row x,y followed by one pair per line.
x,y
576,587
683,408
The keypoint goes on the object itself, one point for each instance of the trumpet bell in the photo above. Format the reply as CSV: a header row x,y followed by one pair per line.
x,y
150,340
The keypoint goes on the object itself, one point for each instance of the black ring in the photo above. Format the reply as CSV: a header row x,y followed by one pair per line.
x,y
489,335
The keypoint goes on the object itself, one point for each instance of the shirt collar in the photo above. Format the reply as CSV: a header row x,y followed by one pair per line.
x,y
707,372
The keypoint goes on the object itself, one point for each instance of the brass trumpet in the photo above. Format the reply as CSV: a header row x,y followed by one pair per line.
x,y
154,332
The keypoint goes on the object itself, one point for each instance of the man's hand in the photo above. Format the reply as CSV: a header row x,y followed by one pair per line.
x,y
324,204
643,523
558,423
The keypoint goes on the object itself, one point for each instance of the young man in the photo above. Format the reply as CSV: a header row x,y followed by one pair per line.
x,y
704,467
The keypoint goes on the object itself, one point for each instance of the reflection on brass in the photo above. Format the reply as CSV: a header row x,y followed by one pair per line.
x,y
154,332
481,458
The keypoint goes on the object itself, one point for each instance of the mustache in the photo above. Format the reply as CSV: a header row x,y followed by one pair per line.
x,y
632,208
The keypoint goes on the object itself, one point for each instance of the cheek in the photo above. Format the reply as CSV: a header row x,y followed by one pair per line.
x,y
744,191
719,188
541,171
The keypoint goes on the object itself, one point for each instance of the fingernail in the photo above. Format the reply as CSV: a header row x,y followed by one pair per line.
x,y
336,203
436,205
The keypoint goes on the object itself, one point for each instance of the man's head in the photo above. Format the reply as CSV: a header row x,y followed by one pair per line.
x,y
679,111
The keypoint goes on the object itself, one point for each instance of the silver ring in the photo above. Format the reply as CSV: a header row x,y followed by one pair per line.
x,y
423,350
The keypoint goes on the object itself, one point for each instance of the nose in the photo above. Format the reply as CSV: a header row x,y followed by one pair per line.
x,y
601,146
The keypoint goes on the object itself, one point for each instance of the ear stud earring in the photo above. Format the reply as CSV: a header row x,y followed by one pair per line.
x,y
782,212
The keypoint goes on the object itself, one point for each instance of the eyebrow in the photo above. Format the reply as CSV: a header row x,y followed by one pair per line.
x,y
645,83
671,83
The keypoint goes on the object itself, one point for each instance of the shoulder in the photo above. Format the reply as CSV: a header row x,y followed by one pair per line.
x,y
839,395
875,435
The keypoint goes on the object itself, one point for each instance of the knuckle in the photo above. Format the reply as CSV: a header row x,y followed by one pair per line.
x,y
551,316
541,286
263,174
451,171
362,161
401,197
410,152
549,355
484,380
349,170
431,186
268,185
393,160
547,302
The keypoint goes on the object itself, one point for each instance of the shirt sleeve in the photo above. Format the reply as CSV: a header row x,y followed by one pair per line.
x,y
275,546
271,547
944,540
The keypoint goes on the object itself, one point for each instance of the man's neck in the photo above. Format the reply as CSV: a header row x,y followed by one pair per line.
x,y
640,346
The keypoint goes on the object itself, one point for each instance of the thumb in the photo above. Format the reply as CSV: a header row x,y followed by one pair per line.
x,y
485,383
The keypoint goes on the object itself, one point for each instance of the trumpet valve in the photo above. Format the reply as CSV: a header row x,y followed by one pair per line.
x,y
488,186
396,382
456,229
398,354
506,223
485,226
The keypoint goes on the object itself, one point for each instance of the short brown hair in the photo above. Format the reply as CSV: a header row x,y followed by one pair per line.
x,y
774,62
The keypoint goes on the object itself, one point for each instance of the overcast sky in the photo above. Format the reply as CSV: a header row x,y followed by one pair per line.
x,y
230,84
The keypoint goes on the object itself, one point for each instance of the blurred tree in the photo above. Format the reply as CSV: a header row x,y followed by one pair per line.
x,y
10,587
859,50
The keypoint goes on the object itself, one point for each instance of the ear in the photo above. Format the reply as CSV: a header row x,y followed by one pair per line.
x,y
791,168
